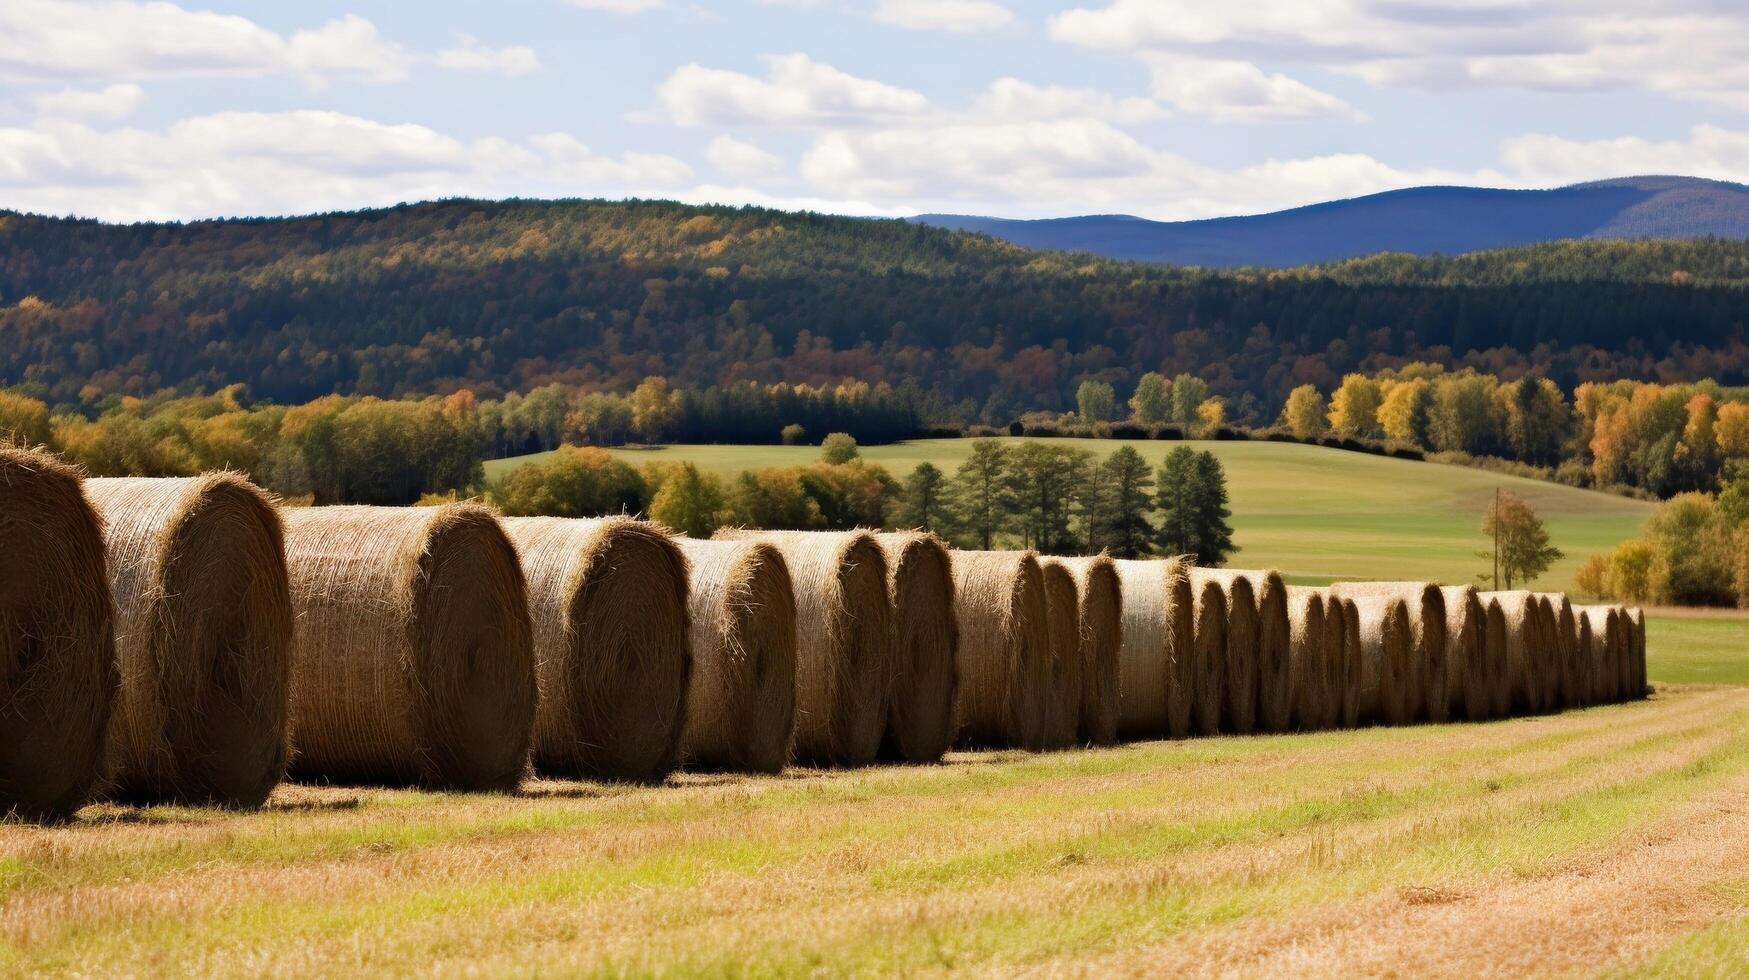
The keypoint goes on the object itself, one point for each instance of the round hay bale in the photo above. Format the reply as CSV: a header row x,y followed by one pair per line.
x,y
741,702
57,639
1470,695
1636,632
1005,648
1101,599
1523,626
611,644
1428,684
1387,647
1586,644
1156,682
1063,620
1601,633
1239,667
1275,676
1563,657
1496,654
1353,663
1308,655
413,651
1208,655
926,640
1334,681
203,634
844,642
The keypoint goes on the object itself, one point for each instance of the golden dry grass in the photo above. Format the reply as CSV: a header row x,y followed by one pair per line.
x,y
1585,842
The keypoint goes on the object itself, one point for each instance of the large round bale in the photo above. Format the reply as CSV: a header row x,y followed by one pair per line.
x,y
1005,649
1101,599
1496,645
1063,620
1207,668
1334,679
1563,656
1427,685
1469,694
844,642
1586,643
203,634
57,638
1240,665
1636,634
1353,662
1309,655
413,651
926,640
1602,634
1387,641
741,702
1523,634
1275,679
611,644
1156,683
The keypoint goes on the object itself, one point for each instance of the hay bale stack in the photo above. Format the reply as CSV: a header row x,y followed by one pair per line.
x,y
1387,641
1609,648
611,643
203,634
1428,687
413,651
844,642
57,638
741,702
1523,635
1062,701
1155,661
1468,685
1240,665
1309,656
1005,654
1562,638
1102,613
1353,661
1635,621
926,640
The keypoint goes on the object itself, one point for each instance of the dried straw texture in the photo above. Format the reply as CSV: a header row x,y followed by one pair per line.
x,y
1563,638
1636,633
57,638
1275,678
1353,662
1156,682
1239,667
844,642
1208,655
611,645
413,653
1468,690
203,634
1101,598
926,639
1523,635
1387,643
1005,648
1497,655
1063,620
741,702
1608,645
1333,681
1308,655
1427,685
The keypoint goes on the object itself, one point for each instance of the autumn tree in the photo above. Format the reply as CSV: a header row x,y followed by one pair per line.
x,y
1212,413
1403,412
655,409
1537,420
1152,401
838,448
1305,414
24,420
573,482
691,502
1188,391
1354,408
1095,401
1521,549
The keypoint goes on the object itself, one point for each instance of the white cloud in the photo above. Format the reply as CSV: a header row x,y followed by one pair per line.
x,y
796,91
1691,49
960,16
1014,99
619,6
289,162
1238,91
1709,151
104,104
470,54
44,40
743,160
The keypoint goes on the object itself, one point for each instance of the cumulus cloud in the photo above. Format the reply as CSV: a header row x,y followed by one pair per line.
x,y
1709,151
1240,92
959,16
743,160
1014,99
289,162
104,104
469,54
796,91
1693,49
122,39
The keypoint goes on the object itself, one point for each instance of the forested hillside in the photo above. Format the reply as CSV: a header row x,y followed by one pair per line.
x,y
512,295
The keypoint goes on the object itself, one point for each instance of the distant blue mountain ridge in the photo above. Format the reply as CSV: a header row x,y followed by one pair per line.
x,y
1419,220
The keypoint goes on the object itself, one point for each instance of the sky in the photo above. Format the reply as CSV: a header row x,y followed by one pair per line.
x,y
1168,109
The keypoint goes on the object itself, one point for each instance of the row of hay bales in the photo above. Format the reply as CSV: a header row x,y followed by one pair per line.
x,y
187,640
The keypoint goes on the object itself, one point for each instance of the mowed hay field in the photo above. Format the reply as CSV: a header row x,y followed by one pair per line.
x,y
1315,514
1604,840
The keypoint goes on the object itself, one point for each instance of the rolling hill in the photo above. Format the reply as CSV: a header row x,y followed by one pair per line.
x,y
1420,221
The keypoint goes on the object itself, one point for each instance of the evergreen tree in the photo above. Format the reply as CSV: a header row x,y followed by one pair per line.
x,y
1120,512
1047,480
983,492
1173,495
923,503
1208,502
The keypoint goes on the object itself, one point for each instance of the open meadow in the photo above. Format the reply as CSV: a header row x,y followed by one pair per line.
x,y
1316,514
